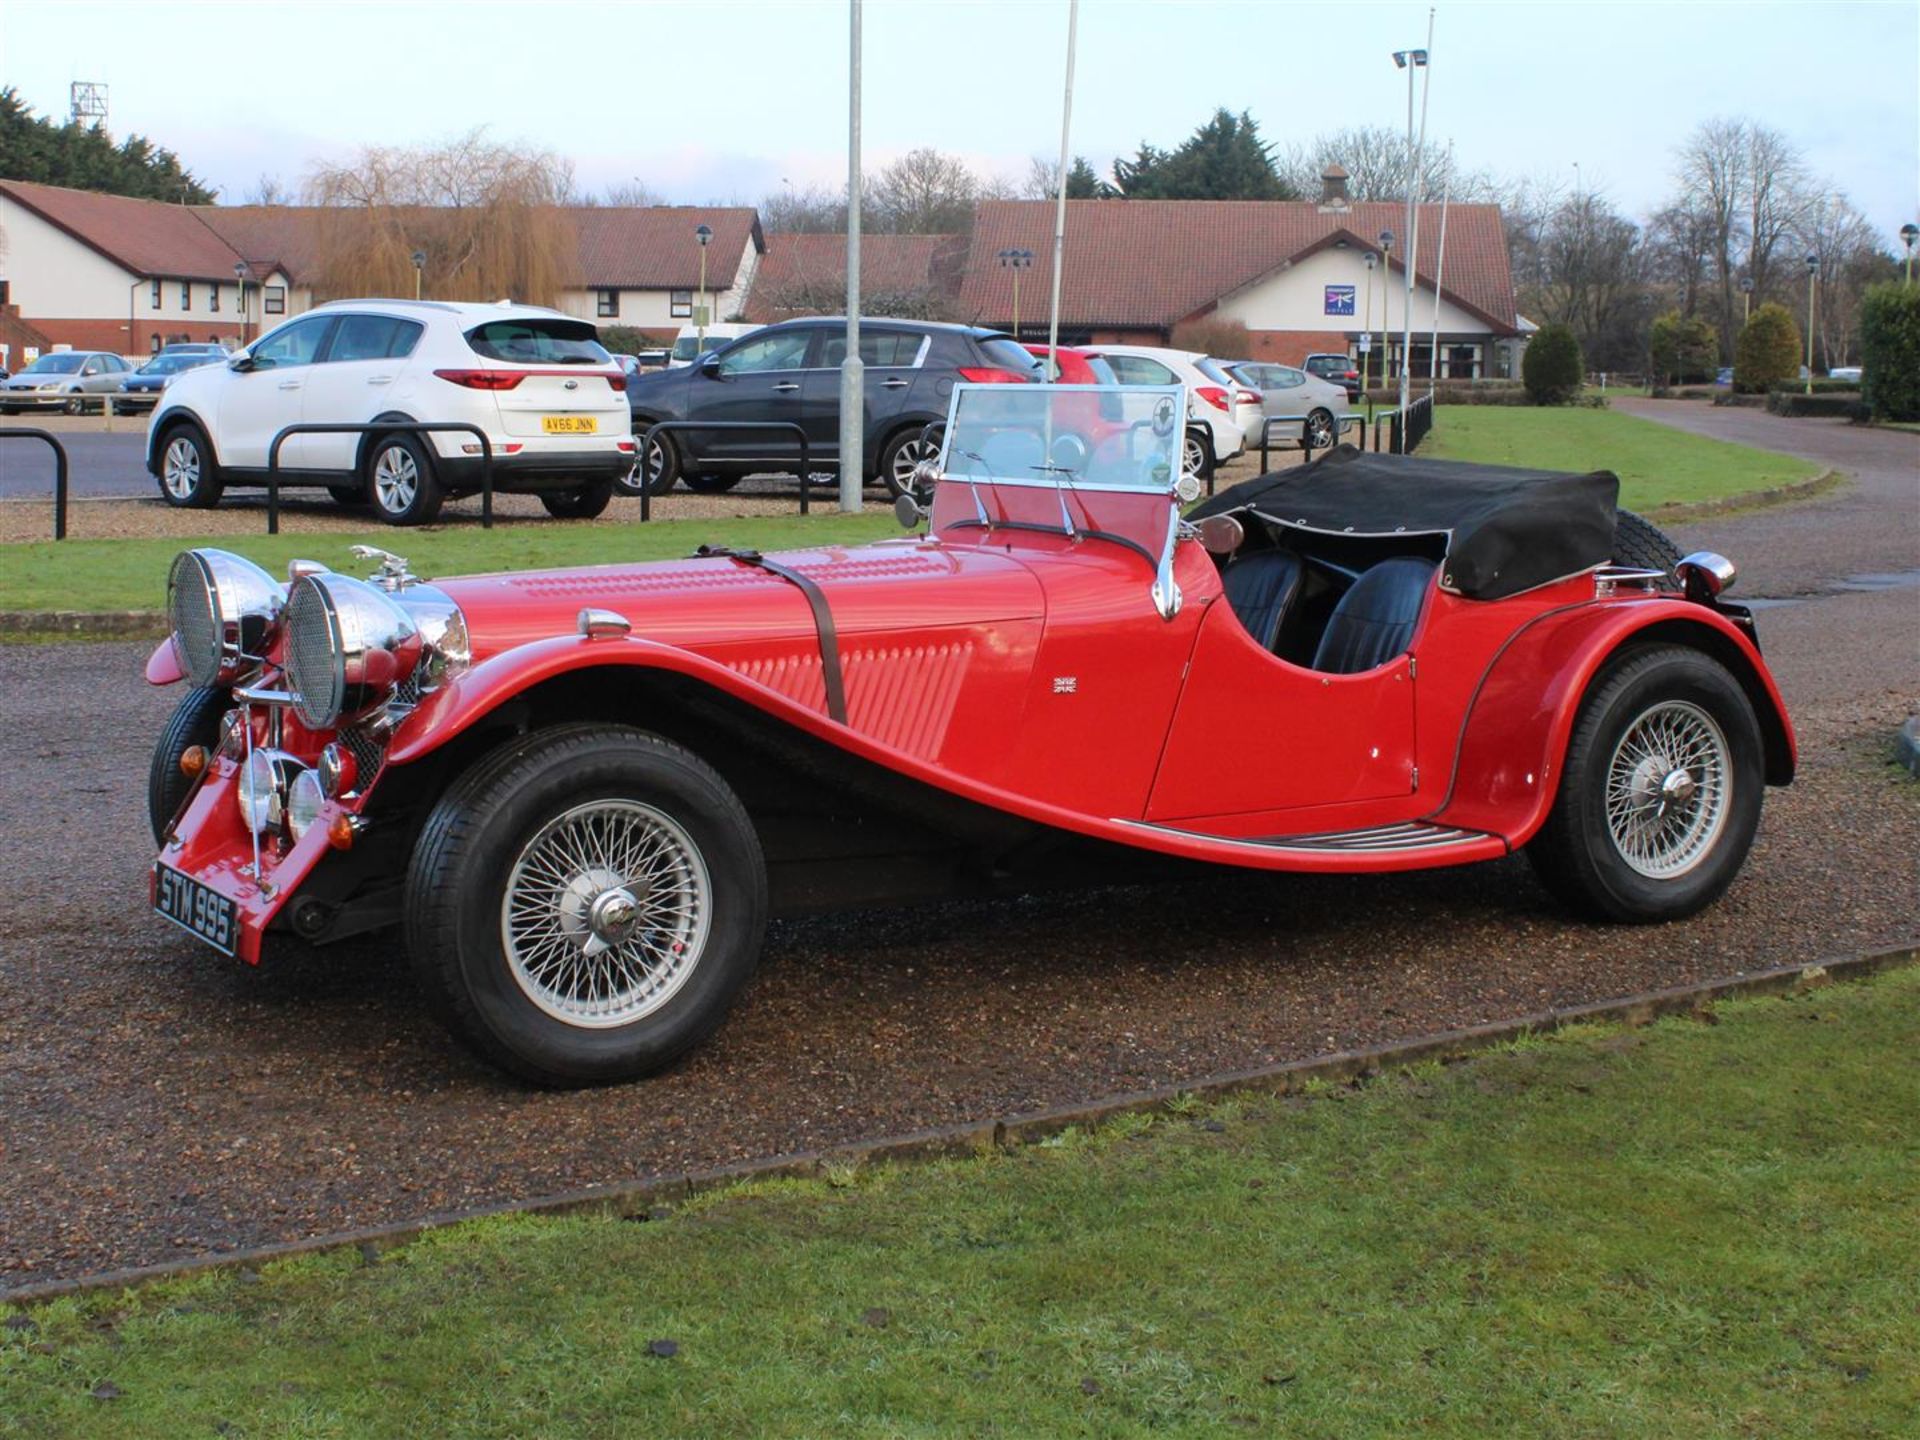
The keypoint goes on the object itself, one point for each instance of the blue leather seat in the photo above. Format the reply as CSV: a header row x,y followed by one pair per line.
x,y
1374,620
1260,587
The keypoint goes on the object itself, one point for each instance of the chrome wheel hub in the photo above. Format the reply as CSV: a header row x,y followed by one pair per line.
x,y
606,913
1669,784
396,479
180,468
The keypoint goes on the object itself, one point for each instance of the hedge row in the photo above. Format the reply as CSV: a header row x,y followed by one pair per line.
x,y
1837,407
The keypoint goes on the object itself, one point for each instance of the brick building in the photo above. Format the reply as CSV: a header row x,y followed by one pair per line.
x,y
1294,272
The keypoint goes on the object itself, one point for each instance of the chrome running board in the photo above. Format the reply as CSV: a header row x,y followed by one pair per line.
x,y
1408,836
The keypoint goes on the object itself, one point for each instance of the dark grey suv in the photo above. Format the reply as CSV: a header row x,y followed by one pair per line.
x,y
791,372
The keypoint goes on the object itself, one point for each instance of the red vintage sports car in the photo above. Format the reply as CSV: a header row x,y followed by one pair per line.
x,y
580,794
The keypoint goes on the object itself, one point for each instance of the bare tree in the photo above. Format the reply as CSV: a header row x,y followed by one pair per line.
x,y
485,215
1594,280
1776,182
1376,161
1713,167
267,190
1851,259
813,211
633,194
923,193
1680,252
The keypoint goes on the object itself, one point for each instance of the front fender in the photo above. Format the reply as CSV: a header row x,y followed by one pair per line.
x,y
163,666
471,697
1516,730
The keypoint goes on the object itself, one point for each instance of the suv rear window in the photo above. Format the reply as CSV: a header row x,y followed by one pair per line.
x,y
538,342
1009,355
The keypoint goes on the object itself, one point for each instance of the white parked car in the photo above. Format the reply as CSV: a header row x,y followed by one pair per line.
x,y
1220,410
1292,394
549,399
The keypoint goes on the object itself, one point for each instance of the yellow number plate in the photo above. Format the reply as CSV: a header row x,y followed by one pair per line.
x,y
570,424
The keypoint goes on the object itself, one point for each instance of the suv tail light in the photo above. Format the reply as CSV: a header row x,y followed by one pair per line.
x,y
989,375
1214,395
617,381
483,379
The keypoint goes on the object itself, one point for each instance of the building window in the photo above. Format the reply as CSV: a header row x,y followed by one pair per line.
x,y
276,301
156,295
153,341
186,296
6,292
608,304
213,298
681,304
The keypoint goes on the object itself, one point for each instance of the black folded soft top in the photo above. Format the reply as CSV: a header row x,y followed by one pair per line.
x,y
1507,529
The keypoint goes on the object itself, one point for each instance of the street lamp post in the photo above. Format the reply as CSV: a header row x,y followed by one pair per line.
x,y
704,235
419,270
853,370
1746,300
1909,233
1366,325
1813,273
1409,61
240,286
1016,261
1386,297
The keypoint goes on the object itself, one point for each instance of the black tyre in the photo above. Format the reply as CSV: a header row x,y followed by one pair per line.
x,y
1319,433
349,497
1640,543
195,721
658,466
120,409
582,504
557,962
75,404
1661,791
189,478
901,454
711,484
1196,454
400,480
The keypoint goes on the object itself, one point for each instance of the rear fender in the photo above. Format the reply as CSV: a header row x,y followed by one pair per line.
x,y
1515,734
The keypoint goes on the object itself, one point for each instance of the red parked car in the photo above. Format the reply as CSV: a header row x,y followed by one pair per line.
x,y
579,794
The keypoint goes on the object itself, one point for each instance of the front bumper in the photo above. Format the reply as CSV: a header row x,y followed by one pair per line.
x,y
42,399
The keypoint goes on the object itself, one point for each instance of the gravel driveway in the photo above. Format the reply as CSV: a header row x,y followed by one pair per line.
x,y
158,1102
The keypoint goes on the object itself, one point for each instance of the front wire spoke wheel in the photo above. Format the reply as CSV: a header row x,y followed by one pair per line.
x,y
606,913
1668,789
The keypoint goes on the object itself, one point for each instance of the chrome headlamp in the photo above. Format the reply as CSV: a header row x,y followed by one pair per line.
x,y
348,645
223,608
265,783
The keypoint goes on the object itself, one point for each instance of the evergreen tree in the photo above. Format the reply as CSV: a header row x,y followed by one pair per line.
x,y
1225,159
1083,183
83,157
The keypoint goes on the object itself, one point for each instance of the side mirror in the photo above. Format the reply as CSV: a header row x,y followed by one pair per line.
x,y
242,362
908,510
709,366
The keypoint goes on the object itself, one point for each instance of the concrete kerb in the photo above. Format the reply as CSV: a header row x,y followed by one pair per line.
x,y
86,624
639,1199
1906,746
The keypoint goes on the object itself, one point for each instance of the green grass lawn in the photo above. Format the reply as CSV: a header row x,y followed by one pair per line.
x,y
132,574
1657,464
1692,1230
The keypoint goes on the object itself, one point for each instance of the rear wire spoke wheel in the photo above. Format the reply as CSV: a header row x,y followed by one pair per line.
x,y
1660,794
584,905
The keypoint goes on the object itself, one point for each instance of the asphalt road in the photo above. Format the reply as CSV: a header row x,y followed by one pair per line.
x,y
100,464
158,1102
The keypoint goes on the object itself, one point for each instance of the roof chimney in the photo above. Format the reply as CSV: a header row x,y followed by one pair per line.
x,y
1333,189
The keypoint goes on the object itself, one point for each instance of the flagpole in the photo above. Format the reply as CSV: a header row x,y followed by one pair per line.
x,y
1439,273
1060,203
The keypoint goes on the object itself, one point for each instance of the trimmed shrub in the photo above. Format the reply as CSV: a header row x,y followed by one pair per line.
x,y
1552,369
1683,349
1767,352
625,339
1222,339
1890,351
1820,387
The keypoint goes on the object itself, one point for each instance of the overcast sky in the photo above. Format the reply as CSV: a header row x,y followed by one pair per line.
x,y
732,98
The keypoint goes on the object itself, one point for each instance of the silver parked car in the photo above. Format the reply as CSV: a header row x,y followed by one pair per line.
x,y
71,380
1291,394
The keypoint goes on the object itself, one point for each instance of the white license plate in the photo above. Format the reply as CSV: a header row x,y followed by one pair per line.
x,y
198,909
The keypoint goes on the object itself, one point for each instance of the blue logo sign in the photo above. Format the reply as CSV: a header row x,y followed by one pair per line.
x,y
1339,300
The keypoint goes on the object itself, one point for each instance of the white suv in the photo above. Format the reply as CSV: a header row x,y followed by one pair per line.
x,y
1221,411
550,401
